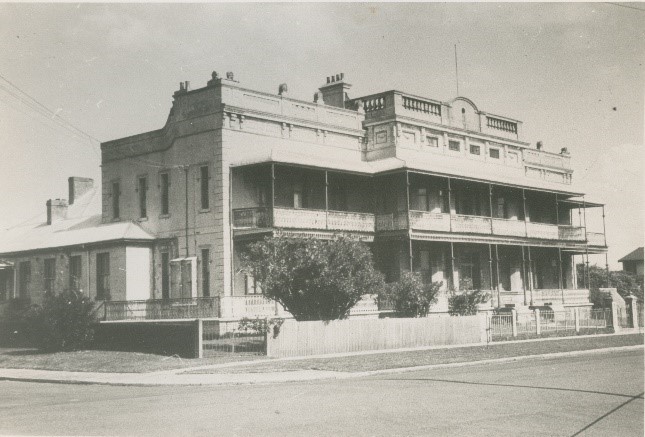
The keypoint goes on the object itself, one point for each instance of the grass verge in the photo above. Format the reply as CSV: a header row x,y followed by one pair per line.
x,y
106,361
379,361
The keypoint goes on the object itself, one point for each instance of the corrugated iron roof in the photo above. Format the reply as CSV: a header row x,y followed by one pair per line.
x,y
69,232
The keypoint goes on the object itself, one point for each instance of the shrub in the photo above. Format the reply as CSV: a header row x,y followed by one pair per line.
x,y
410,296
464,302
313,279
64,322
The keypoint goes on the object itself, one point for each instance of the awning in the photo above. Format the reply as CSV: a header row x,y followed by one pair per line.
x,y
184,259
580,203
5,265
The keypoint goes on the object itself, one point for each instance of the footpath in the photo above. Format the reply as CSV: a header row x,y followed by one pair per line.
x,y
187,376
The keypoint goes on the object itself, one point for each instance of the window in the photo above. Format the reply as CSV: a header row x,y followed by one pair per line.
x,y
204,180
206,272
50,275
116,200
103,276
165,192
454,145
432,141
475,149
165,275
251,285
25,278
494,153
143,196
75,273
422,199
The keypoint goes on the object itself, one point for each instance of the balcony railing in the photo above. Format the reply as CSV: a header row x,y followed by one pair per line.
x,y
392,221
248,218
515,228
595,239
540,157
471,224
571,233
544,296
429,221
543,231
303,219
571,296
157,309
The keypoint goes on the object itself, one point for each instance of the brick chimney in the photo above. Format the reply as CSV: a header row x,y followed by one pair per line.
x,y
78,186
334,92
56,210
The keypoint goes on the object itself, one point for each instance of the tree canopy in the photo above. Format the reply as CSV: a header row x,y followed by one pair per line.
x,y
313,279
625,283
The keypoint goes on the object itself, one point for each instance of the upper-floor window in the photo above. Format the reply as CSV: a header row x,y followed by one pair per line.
x,y
475,149
142,188
50,275
454,145
493,153
204,181
75,273
25,279
165,193
432,141
116,200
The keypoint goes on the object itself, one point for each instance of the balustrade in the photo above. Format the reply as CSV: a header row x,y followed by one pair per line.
x,y
543,231
471,224
571,233
429,221
516,228
595,239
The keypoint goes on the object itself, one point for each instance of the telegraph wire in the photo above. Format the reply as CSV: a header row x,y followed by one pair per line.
x,y
41,109
625,6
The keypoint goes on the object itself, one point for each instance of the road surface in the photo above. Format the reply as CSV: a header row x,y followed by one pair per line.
x,y
592,395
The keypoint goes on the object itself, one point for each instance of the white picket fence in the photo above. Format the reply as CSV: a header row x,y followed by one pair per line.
x,y
353,335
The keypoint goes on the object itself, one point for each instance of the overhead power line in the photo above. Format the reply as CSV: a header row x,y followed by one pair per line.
x,y
41,109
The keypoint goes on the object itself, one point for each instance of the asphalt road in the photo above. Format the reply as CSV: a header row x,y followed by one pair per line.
x,y
593,395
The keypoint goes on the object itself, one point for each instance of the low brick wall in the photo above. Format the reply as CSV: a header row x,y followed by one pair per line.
x,y
165,338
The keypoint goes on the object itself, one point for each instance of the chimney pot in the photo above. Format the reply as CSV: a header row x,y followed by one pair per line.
x,y
181,86
337,77
328,79
187,85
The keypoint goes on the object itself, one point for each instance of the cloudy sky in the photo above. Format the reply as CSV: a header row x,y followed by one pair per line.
x,y
572,72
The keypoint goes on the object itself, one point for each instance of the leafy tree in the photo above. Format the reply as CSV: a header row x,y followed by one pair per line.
x,y
463,302
64,322
410,296
624,282
313,279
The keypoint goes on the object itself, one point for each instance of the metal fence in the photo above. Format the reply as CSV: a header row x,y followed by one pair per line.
x,y
548,323
188,308
233,337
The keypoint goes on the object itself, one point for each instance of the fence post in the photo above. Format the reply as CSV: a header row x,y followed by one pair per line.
x,y
576,319
633,305
484,323
199,338
614,318
538,327
514,322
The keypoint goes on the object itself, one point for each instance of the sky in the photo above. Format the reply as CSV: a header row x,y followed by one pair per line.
x,y
572,72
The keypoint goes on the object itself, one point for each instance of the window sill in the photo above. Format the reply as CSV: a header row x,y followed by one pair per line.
x,y
204,211
164,216
142,219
